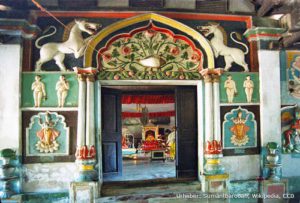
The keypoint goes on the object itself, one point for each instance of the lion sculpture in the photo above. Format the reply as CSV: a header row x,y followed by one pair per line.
x,y
75,44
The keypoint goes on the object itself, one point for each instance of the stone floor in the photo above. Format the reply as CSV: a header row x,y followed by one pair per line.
x,y
145,170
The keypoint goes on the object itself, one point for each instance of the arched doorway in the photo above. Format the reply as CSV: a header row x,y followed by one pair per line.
x,y
126,53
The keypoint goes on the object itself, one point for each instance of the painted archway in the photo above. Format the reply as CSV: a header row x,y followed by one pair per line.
x,y
150,47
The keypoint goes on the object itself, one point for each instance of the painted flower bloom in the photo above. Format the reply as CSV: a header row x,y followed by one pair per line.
x,y
149,33
106,57
175,51
126,50
195,57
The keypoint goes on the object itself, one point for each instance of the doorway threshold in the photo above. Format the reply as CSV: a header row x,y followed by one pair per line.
x,y
157,186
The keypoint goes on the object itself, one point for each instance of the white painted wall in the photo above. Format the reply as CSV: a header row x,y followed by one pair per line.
x,y
10,57
270,102
242,167
48,177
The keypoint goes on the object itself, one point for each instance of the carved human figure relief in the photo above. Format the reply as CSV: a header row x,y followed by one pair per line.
x,y
39,92
230,87
75,44
218,43
62,88
249,86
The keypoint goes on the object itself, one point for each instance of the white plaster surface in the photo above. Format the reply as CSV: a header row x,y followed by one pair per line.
x,y
242,167
290,166
48,177
269,76
9,93
113,3
186,4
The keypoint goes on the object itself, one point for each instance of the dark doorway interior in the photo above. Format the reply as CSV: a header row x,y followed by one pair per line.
x,y
138,140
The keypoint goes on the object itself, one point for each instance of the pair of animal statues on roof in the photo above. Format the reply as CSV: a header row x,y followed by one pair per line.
x,y
76,44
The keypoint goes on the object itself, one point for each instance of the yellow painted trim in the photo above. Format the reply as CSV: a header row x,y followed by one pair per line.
x,y
215,177
86,167
213,161
145,17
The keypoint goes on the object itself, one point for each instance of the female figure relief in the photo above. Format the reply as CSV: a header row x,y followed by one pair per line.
x,y
239,130
39,92
62,88
230,87
249,86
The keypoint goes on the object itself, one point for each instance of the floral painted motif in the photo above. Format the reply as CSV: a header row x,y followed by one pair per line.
x,y
149,53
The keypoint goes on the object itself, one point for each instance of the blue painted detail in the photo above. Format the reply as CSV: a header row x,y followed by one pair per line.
x,y
86,176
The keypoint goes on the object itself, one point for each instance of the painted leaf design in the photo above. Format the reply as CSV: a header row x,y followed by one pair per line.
x,y
115,53
184,55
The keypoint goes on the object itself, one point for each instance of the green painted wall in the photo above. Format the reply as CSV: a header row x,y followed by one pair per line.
x,y
239,78
49,79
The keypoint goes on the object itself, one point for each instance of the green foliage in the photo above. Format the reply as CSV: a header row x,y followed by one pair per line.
x,y
155,46
184,55
7,153
163,36
167,49
190,64
170,57
117,44
115,53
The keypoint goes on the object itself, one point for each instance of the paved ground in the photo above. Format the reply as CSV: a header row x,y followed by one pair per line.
x,y
145,170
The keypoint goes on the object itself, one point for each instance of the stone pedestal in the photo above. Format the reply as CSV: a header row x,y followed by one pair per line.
x,y
83,192
215,183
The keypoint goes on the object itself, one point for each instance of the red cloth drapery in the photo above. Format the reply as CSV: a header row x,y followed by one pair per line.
x,y
151,114
148,99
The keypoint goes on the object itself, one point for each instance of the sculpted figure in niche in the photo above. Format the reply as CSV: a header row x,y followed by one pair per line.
x,y
230,87
47,135
62,88
249,86
39,92
239,130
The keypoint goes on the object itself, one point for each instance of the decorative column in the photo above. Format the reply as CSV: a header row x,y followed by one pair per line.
x,y
209,121
86,151
90,115
81,111
216,95
213,170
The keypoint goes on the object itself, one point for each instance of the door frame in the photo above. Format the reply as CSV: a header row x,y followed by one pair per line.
x,y
200,112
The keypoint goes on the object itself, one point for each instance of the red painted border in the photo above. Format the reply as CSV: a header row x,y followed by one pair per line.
x,y
174,15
